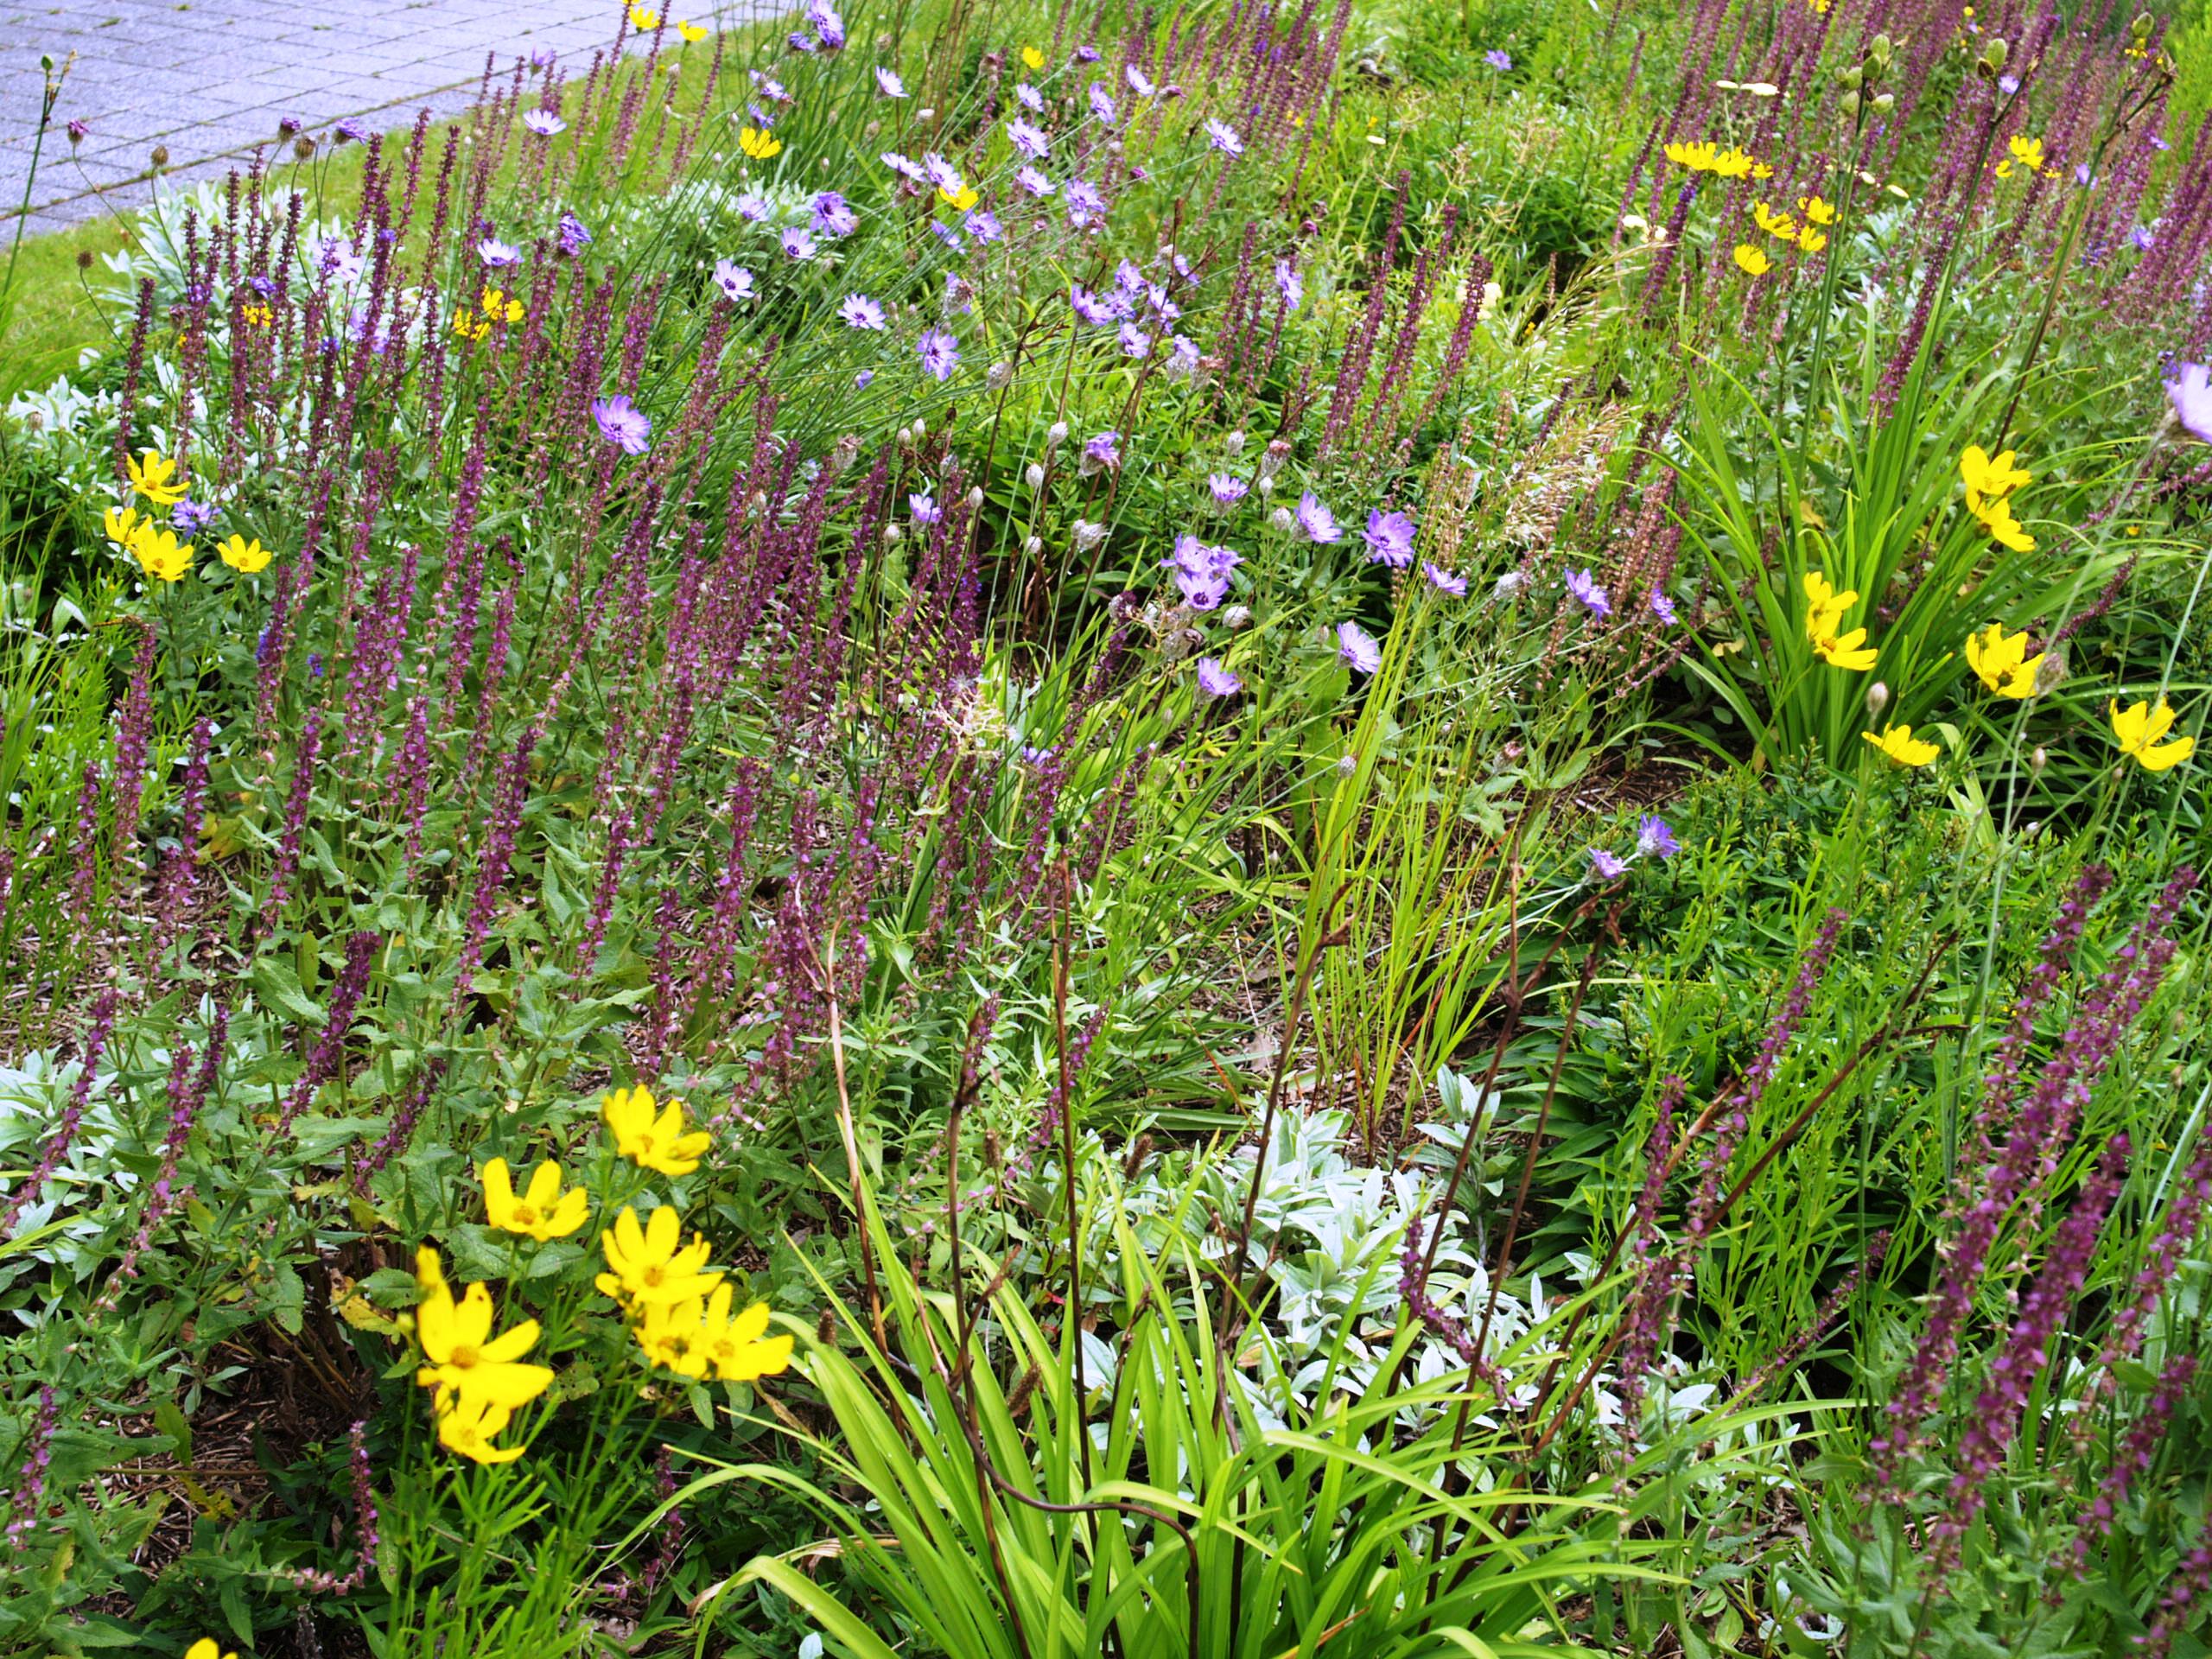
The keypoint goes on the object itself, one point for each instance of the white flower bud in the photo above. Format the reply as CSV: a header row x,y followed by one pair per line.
x,y
998,375
1878,698
1234,443
892,535
1058,434
1033,546
905,437
975,496
1087,535
1034,475
1281,519
1265,485
921,431
1236,616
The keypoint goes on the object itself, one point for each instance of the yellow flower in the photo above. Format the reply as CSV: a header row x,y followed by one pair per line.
x,y
1774,224
1902,746
542,1212
2028,152
1997,519
648,1266
758,144
1846,651
258,317
1033,58
159,554
150,478
650,1143
691,32
469,326
1752,259
1816,212
1824,607
1811,240
739,1349
1733,164
205,1648
1989,480
2140,726
243,556
1761,170
469,1427
962,202
429,1274
497,308
125,527
644,19
466,1359
668,1336
2003,662
1698,157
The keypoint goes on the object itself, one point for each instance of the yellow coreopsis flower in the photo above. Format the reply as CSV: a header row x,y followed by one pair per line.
x,y
2003,662
465,1359
739,1348
691,32
1734,164
644,19
469,1427
205,1648
759,145
542,1212
1902,746
960,201
1774,224
243,555
1033,58
1752,259
150,477
123,527
1824,605
499,308
650,1141
1997,519
2139,728
257,315
469,326
1698,156
2028,152
1811,240
668,1336
1816,211
1989,478
1846,651
649,1266
159,554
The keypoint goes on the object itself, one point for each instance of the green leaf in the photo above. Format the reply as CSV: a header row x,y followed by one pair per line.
x,y
278,986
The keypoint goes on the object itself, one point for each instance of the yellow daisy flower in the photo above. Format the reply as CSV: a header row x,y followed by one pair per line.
x,y
542,1212
759,145
2139,726
2002,661
651,1266
150,476
469,1427
464,1358
1901,746
243,555
654,1142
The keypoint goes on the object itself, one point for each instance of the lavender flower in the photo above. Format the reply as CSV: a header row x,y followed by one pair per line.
x,y
797,244
2188,388
859,311
1316,522
1654,839
544,123
1215,680
734,281
888,83
622,423
1443,580
496,255
1028,139
1604,866
940,353
1358,647
1220,136
1498,59
1390,538
1586,591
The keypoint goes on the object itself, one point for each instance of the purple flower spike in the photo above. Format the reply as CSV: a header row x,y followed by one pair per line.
x,y
622,422
1215,680
1358,647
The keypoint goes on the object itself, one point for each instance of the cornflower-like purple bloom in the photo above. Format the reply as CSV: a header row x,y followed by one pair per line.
x,y
1223,137
923,506
498,254
1443,580
544,123
352,128
1086,55
1202,571
1604,866
1029,98
1102,452
1289,284
888,83
2189,389
1034,183
833,215
1588,593
983,225
1089,307
1139,83
827,24
193,516
78,131
1086,208
1027,139
1390,538
1315,522
1654,839
941,172
861,380
940,353
574,237
859,311
1182,356
1227,488
734,281
1134,341
1215,680
1101,105
800,41
1358,647
947,235
904,168
1660,605
2142,239
797,244
622,422
1498,59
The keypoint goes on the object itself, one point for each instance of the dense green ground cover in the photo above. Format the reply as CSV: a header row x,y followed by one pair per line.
x,y
984,831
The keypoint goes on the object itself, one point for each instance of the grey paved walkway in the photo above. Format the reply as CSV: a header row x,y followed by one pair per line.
x,y
210,79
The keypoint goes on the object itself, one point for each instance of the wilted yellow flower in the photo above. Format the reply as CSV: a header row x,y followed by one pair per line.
x,y
691,31
469,326
2139,728
1033,58
159,554
651,1266
1990,478
650,1141
465,1359
542,1212
243,556
150,477
758,144
469,1427
1902,746
2003,662
1752,259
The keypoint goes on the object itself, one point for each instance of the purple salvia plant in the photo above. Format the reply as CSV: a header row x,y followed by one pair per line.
x,y
395,1138
27,1501
97,1031
326,1058
494,857
296,817
133,736
1413,1290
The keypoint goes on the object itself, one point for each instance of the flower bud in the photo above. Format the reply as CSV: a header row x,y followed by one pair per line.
x,y
161,156
1850,102
1236,616
975,496
2140,29
1851,76
892,535
1234,443
1282,520
1033,546
1035,475
1884,102
1878,698
2038,761
1878,49
1087,535
1058,434
1992,60
1265,484
998,375
905,437
921,431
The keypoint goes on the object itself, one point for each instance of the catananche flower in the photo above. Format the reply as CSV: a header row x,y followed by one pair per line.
x,y
469,1427
859,311
1139,83
888,83
1133,340
1390,538
650,1265
1443,581
542,1212
1102,452
2189,389
151,475
2139,728
650,1140
1289,284
924,507
574,236
734,281
1588,593
1036,183
797,243
544,123
1202,571
498,254
1086,207
1315,522
1101,105
1226,489
833,214
1216,681
1901,746
983,225
1498,59
1223,137
1094,309
940,353
1358,647
463,1357
246,558
1660,605
1655,838
905,169
1028,139
1605,866
2002,661
622,423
